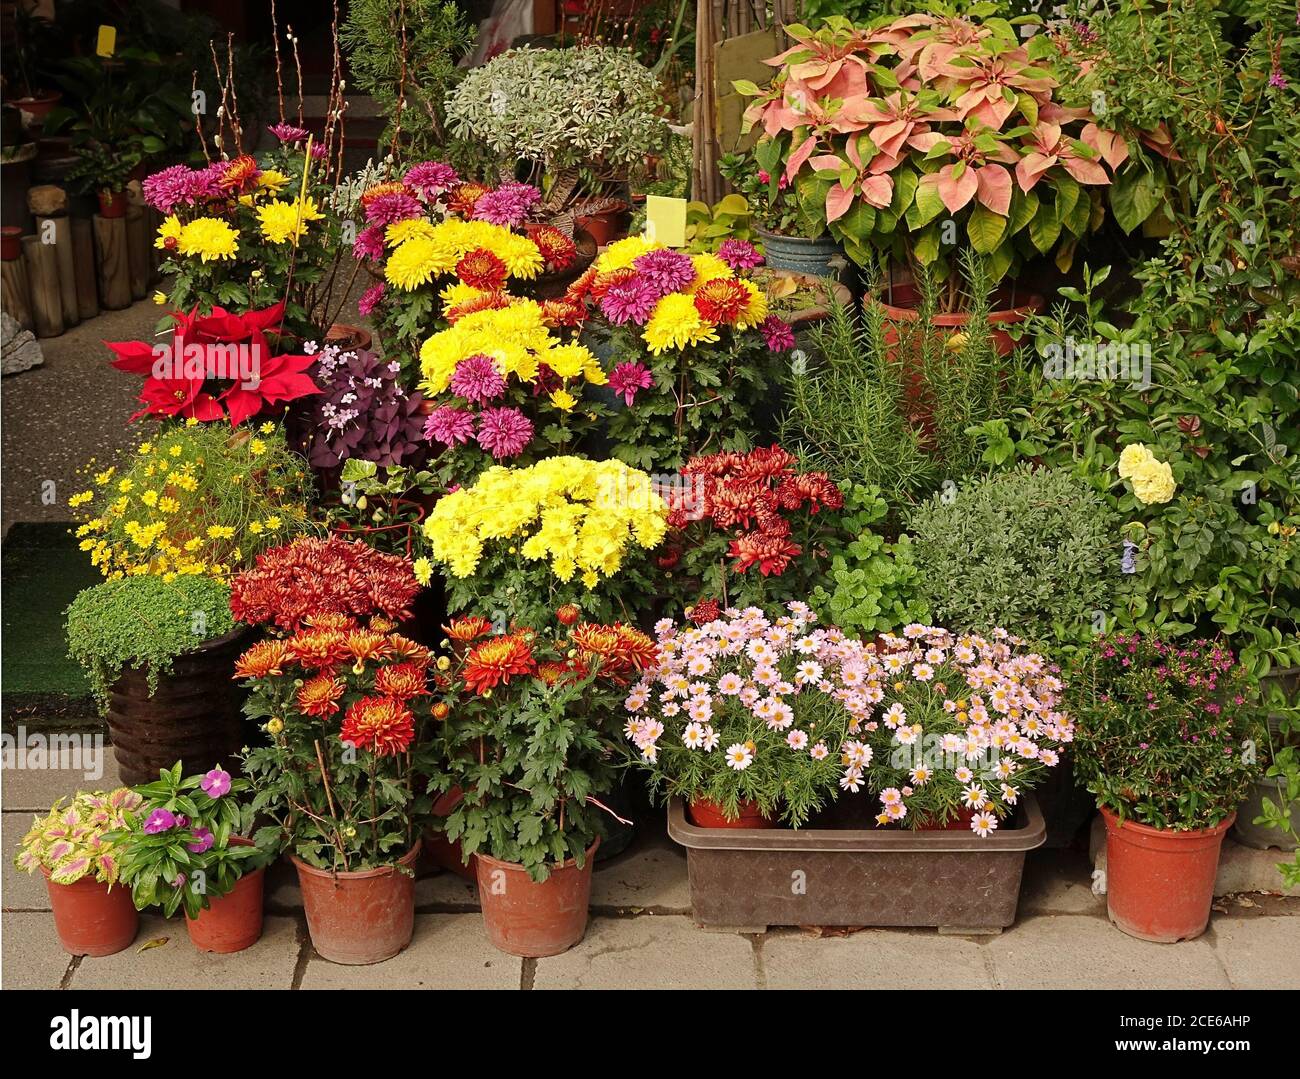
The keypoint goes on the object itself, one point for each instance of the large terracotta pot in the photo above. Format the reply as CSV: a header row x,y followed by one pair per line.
x,y
1160,884
363,917
90,918
192,717
532,919
900,303
708,814
232,922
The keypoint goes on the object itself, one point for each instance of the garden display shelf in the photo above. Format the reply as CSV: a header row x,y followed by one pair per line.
x,y
866,876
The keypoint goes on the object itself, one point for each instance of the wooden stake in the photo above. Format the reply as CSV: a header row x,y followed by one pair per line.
x,y
83,250
15,292
58,229
137,252
43,273
112,262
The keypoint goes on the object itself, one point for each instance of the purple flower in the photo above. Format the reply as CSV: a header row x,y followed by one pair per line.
x,y
628,378
288,132
666,271
504,432
207,181
370,299
740,254
1129,562
1277,79
450,426
508,205
369,243
429,179
216,783
172,187
477,379
630,301
777,334
203,840
318,150
160,820
391,207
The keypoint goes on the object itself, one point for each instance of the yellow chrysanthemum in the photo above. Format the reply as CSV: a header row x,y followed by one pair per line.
x,y
708,268
756,311
271,180
286,222
211,240
170,229
418,261
675,323
401,231
624,252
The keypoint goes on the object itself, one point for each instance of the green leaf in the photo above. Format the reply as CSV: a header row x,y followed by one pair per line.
x,y
1134,196
985,229
1044,228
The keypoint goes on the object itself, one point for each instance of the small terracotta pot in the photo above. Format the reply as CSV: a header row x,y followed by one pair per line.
x,y
112,203
11,243
359,918
232,921
533,919
37,107
348,337
91,918
445,853
606,226
708,814
1159,883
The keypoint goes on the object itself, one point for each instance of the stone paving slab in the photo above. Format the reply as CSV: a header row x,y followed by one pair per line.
x,y
873,958
651,876
268,964
1058,882
34,790
1259,953
33,958
448,951
19,890
650,952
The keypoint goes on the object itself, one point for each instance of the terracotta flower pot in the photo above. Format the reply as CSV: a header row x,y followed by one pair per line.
x,y
233,921
112,203
363,917
606,226
901,302
91,918
526,918
11,243
37,107
348,337
445,853
1160,884
708,814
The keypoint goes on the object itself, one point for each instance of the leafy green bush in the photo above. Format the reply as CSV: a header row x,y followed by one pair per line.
x,y
144,622
1034,549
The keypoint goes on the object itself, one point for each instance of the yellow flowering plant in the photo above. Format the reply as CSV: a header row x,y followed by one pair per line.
x,y
198,499
1152,479
692,345
523,541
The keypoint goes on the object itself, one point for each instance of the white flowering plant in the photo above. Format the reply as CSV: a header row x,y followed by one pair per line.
x,y
964,726
743,708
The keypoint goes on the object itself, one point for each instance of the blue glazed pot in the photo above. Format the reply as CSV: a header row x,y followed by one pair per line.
x,y
818,258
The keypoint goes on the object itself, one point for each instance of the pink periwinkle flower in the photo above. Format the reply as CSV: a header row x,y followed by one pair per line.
x,y
665,270
629,378
388,209
370,299
740,254
216,783
203,840
477,379
450,426
777,334
504,432
160,820
429,179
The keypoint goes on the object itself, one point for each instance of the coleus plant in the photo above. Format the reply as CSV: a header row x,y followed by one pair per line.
x,y
74,840
893,130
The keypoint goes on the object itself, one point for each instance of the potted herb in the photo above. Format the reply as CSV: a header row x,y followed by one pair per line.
x,y
341,703
528,739
187,848
1165,737
72,848
158,655
35,43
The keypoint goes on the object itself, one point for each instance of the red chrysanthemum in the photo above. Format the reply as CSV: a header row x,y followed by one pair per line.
x,y
380,724
265,657
467,628
557,249
317,649
462,199
621,649
764,463
770,552
403,681
813,489
578,291
563,314
319,696
497,660
240,176
721,301
704,612
481,269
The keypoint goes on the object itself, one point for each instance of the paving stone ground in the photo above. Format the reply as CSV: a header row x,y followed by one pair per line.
x,y
641,936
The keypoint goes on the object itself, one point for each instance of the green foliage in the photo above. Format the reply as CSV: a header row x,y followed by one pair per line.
x,y
143,622
1036,550
708,227
871,585
74,841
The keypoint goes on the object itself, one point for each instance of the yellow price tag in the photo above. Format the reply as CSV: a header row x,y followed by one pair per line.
x,y
106,44
666,220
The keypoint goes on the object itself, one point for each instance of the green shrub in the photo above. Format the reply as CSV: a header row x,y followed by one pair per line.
x,y
1034,550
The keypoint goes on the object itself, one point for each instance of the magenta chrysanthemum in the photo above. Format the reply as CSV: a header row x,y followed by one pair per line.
x,y
508,205
370,299
477,379
429,179
207,181
777,333
450,426
369,243
390,208
740,254
666,271
172,187
628,378
288,132
318,150
504,432
630,301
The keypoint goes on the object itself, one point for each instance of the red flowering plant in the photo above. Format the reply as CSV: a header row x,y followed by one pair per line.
x,y
293,584
742,524
530,735
216,366
347,707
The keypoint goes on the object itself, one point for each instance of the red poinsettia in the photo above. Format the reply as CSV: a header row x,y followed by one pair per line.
x,y
217,365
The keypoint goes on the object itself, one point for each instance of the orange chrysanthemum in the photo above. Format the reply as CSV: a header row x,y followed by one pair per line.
x,y
391,187
380,624
330,621
403,681
556,248
265,657
554,673
319,696
462,199
409,650
721,301
364,644
489,301
241,174
563,314
497,660
621,648
380,724
603,282
467,628
579,289
317,649
481,269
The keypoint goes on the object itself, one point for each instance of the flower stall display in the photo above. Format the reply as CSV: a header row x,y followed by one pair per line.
x,y
692,349
523,541
1167,730
194,499
962,727
158,656
529,739
72,848
186,847
749,718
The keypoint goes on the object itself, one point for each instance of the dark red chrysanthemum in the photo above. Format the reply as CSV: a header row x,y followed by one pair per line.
x,y
481,269
496,661
382,725
721,301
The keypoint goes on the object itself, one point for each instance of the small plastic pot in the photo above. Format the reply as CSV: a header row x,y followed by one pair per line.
x,y
232,922
532,919
708,814
112,203
91,918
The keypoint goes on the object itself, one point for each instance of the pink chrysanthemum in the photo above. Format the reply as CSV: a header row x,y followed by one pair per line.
x,y
318,150
477,379
288,132
429,179
450,426
628,378
207,181
370,299
504,432
740,254
508,205
632,300
777,333
389,208
369,243
172,187
666,271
